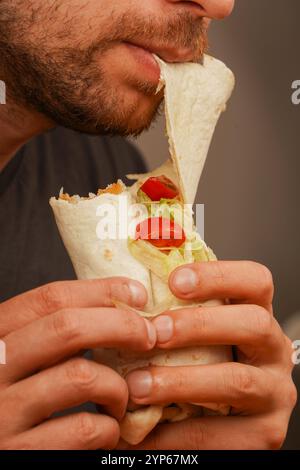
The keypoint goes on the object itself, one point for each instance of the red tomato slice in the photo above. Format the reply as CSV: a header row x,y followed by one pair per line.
x,y
159,187
160,232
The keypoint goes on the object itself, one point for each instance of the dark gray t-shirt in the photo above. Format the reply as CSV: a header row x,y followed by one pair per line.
x,y
31,251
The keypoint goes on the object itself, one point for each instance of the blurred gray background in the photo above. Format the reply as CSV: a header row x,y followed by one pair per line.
x,y
250,185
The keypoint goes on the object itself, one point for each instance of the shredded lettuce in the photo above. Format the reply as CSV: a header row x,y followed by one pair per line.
x,y
197,251
168,211
170,201
167,208
142,197
159,263
211,255
162,263
175,259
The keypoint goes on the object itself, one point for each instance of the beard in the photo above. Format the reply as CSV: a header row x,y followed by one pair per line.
x,y
72,83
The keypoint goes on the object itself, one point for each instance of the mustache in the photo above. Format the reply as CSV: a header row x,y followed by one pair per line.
x,y
181,31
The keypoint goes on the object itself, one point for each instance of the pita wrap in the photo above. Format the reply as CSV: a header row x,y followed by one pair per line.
x,y
195,95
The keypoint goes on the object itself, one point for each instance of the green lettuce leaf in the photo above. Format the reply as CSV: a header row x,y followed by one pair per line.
x,y
156,261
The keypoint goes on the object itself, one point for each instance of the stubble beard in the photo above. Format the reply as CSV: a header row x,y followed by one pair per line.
x,y
71,86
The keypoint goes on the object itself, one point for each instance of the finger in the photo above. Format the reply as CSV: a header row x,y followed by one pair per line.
x,y
68,331
64,386
245,281
218,433
82,431
25,308
250,327
246,388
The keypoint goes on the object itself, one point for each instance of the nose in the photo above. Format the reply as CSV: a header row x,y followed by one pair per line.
x,y
214,9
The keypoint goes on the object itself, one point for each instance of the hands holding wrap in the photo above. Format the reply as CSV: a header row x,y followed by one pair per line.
x,y
46,329
258,387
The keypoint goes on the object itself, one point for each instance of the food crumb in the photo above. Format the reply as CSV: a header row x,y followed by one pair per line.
x,y
108,254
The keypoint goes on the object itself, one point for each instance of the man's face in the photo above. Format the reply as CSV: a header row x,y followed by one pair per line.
x,y
75,60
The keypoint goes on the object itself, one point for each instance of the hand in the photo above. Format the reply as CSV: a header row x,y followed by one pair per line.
x,y
43,330
259,387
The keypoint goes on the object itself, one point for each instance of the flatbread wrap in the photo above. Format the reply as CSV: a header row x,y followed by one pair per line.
x,y
146,230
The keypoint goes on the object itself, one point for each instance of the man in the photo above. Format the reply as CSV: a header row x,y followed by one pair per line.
x,y
87,66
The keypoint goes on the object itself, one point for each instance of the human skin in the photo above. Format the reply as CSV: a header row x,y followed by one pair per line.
x,y
68,62
259,387
71,316
62,67
44,332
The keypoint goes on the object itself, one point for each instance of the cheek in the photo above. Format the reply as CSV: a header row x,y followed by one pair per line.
x,y
113,63
69,23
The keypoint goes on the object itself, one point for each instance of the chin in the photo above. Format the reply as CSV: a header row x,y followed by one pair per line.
x,y
143,115
120,100
132,113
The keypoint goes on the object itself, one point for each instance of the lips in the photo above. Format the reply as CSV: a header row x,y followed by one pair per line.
x,y
169,54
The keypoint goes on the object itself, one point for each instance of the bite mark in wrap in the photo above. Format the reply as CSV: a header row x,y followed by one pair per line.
x,y
195,96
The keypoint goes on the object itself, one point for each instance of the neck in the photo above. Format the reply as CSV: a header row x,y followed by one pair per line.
x,y
17,126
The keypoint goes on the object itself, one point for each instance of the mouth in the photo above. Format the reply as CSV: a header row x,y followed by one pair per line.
x,y
147,65
167,54
145,61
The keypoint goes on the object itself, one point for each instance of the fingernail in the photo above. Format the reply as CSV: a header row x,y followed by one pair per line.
x,y
185,280
139,383
164,326
136,294
151,332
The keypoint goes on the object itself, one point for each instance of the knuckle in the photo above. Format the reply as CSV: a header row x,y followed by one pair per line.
x,y
135,330
86,428
66,324
117,288
81,373
262,323
108,286
201,320
53,296
195,434
242,381
94,431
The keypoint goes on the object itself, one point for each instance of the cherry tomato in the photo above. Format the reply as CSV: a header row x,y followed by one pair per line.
x,y
160,232
159,187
